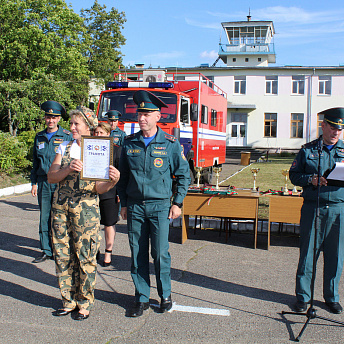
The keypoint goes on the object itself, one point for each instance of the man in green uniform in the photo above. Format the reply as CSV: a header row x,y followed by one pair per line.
x,y
330,236
149,160
44,150
117,134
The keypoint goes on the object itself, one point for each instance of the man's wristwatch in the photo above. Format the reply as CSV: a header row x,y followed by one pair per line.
x,y
310,178
180,205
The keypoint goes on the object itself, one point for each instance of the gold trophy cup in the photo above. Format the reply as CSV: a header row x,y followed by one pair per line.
x,y
217,171
254,170
286,175
198,174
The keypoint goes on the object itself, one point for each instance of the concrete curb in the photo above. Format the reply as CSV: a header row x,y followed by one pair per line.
x,y
17,189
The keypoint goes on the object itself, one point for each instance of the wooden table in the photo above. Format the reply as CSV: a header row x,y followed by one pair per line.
x,y
241,206
284,209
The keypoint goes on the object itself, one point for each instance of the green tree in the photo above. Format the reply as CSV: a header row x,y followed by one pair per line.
x,y
42,45
104,40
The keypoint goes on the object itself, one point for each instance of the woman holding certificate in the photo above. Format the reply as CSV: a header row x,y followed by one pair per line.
x,y
109,201
75,218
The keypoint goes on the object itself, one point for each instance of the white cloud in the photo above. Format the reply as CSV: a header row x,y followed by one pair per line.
x,y
165,55
209,55
203,24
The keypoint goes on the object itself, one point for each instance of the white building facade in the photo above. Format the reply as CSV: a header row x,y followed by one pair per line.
x,y
270,107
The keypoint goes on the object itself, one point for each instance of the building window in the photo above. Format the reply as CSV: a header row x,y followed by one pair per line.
x,y
270,125
211,80
297,125
325,85
298,84
271,84
247,59
213,120
179,77
204,114
259,59
234,59
320,120
240,84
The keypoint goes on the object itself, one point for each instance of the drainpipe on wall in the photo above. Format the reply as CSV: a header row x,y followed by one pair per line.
x,y
309,107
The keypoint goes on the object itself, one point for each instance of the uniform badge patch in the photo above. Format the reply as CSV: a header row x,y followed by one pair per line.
x,y
183,156
158,162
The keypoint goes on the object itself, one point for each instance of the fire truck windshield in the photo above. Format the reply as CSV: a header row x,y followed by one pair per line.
x,y
122,101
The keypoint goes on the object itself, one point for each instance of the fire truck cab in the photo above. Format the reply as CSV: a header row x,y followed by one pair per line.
x,y
196,112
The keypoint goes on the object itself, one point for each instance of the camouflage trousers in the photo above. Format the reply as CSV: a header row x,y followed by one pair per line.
x,y
76,241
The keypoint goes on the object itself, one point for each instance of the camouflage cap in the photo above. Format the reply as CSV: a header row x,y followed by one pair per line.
x,y
89,116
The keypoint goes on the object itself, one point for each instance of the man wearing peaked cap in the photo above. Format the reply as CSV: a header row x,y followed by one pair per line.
x,y
330,236
117,134
148,161
44,150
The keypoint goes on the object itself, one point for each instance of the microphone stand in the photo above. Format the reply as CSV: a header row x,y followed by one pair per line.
x,y
311,312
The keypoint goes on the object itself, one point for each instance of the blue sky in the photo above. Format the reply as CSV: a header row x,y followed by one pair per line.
x,y
186,33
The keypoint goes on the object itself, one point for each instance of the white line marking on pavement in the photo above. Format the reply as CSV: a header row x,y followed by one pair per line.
x,y
201,310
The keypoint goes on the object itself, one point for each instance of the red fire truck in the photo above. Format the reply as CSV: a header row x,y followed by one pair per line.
x,y
196,113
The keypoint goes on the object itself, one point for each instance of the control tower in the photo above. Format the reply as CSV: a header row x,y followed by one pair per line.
x,y
249,43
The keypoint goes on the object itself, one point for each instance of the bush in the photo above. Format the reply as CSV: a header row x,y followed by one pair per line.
x,y
13,154
28,139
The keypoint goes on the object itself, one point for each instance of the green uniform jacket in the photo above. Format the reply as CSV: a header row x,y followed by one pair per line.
x,y
306,164
44,152
146,172
118,136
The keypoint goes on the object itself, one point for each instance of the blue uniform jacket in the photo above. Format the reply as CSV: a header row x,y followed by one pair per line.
x,y
118,136
306,164
146,172
44,152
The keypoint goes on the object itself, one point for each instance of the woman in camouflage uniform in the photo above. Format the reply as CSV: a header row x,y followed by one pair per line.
x,y
75,224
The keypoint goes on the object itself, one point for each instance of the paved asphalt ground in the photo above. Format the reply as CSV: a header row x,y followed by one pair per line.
x,y
247,290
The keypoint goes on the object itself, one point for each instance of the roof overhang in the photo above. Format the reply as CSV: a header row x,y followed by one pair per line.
x,y
236,107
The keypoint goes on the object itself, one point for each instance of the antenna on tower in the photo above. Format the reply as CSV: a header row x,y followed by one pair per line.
x,y
249,15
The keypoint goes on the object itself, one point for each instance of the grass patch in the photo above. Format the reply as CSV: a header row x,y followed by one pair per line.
x,y
12,180
269,177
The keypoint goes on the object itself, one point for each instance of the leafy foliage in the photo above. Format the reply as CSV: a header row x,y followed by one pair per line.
x,y
47,51
12,154
104,40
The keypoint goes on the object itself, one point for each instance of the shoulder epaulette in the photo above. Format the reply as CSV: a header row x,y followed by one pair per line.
x,y
129,136
170,137
310,144
66,131
41,132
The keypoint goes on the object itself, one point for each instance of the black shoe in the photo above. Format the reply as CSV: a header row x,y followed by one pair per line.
x,y
98,255
300,306
81,316
138,309
166,304
107,263
42,258
62,312
334,307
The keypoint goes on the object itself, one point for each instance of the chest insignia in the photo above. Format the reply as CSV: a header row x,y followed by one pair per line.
x,y
157,152
133,151
158,162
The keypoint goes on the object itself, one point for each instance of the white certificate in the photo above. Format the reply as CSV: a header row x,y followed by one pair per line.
x,y
96,156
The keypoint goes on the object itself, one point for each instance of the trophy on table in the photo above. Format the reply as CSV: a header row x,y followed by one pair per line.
x,y
286,175
254,170
217,170
198,174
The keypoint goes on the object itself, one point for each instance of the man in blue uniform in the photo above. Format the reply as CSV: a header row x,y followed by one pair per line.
x,y
117,134
330,236
44,150
149,160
